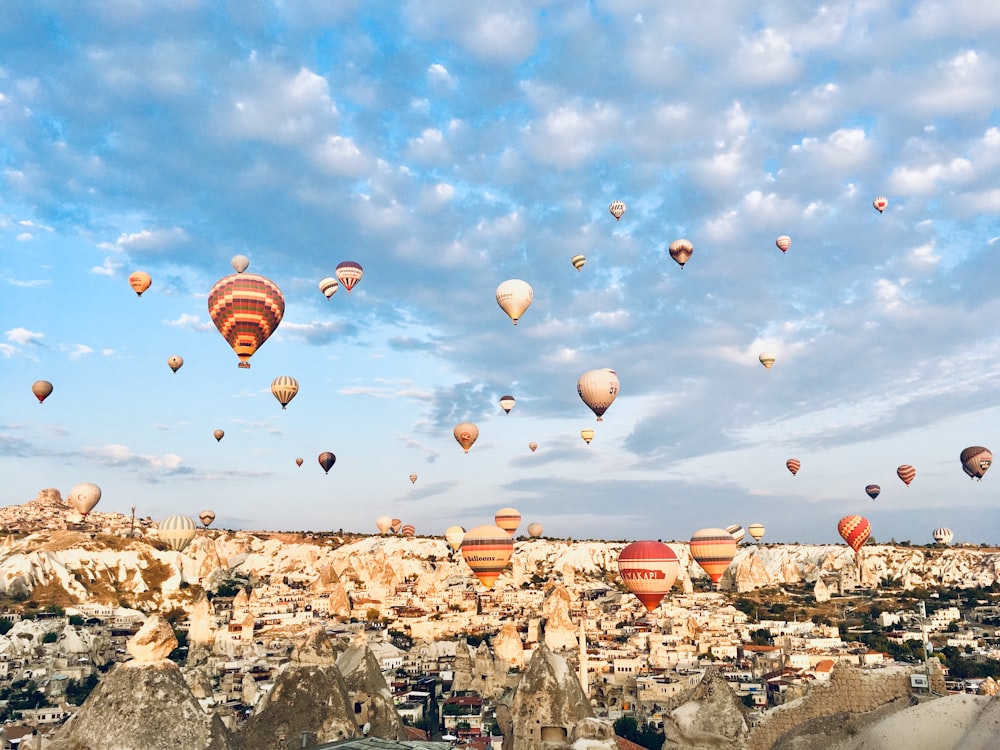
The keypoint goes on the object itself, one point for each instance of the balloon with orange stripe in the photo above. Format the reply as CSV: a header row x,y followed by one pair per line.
x,y
713,549
855,530
486,550
648,569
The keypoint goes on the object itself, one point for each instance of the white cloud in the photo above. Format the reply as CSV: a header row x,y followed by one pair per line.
x,y
930,178
438,73
340,155
191,322
25,237
148,241
23,336
122,455
109,267
77,351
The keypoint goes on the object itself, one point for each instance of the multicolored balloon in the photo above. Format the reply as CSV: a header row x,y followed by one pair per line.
x,y
508,519
175,363
507,403
617,209
349,273
648,569
713,549
396,525
598,389
466,434
766,359
756,530
906,473
783,242
976,460
880,203
178,531
486,550
42,389
83,497
793,465
854,530
246,308
514,297
578,261
737,532
140,281
681,251
408,531
284,388
326,460
207,516
873,491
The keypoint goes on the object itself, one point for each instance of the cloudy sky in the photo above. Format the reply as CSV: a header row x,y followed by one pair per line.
x,y
449,148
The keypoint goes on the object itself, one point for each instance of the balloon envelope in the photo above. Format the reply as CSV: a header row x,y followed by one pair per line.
x,y
783,242
681,251
396,525
508,519
873,490
408,530
766,359
943,535
284,388
648,569
598,389
507,403
175,363
533,446
83,497
737,532
854,530
140,281
299,461
466,434
906,473
42,389
178,531
880,203
617,209
487,549
349,273
246,308
206,516
514,297
793,465
578,261
535,530
453,535
240,263
218,435
383,523
326,460
713,549
756,530
976,460
413,478
328,286
587,435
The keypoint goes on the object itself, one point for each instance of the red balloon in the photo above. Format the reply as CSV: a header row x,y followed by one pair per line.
x,y
648,570
854,530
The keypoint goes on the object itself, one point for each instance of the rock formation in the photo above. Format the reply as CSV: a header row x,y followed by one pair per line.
x,y
153,642
559,630
712,718
507,645
368,690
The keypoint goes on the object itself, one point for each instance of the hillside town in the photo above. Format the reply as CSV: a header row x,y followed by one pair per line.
x,y
415,635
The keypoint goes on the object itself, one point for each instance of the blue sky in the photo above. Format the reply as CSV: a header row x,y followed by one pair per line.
x,y
448,149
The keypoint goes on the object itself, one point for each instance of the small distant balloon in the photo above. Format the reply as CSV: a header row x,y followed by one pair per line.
x,y
681,251
486,550
766,359
738,532
328,286
793,465
975,461
207,516
880,203
598,389
383,524
507,403
42,389
508,519
854,530
617,209
175,363
713,549
349,273
514,297
83,497
466,434
413,478
533,446
453,535
906,473
140,281
396,525
587,435
873,491
219,434
299,461
783,242
756,530
535,530
284,388
240,263
408,531
943,535
326,460
178,531
578,261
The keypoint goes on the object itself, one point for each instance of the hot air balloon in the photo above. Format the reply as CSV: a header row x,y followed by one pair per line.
x,y
396,525
207,516
507,403
299,461
383,524
328,286
453,535
178,531
533,446
514,297
880,203
681,251
284,388
246,308
408,531
413,478
587,435
648,569
766,359
793,465
218,434
577,261
943,536
175,363
783,242
42,389
713,549
854,530
617,209
140,282
873,490
598,389
976,460
535,530
737,532
349,273
487,549
466,434
83,497
906,473
327,460
756,530
240,263
508,519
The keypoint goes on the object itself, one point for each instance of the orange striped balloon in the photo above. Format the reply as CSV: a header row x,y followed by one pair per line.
x,y
713,550
648,570
854,530
793,465
246,308
487,549
906,473
508,519
408,531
